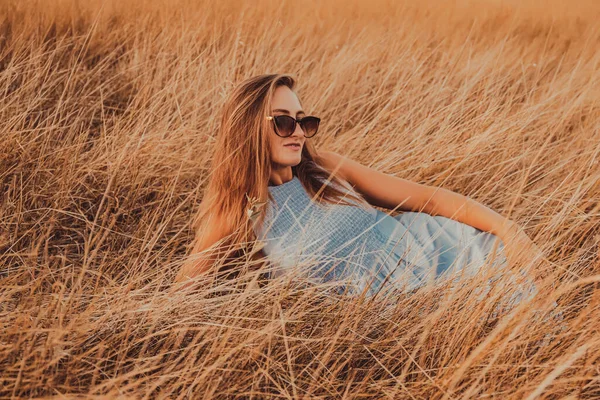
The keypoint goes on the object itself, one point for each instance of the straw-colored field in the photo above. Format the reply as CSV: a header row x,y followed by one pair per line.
x,y
108,116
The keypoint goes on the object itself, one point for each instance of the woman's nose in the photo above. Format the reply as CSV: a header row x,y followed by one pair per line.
x,y
298,130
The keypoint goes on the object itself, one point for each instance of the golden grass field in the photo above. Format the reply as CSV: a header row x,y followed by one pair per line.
x,y
108,116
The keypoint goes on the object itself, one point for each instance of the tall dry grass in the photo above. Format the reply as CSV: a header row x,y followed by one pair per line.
x,y
108,116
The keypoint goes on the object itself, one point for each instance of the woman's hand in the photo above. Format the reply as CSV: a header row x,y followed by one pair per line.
x,y
518,246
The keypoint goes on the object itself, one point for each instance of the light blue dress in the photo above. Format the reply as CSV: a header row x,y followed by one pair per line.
x,y
367,248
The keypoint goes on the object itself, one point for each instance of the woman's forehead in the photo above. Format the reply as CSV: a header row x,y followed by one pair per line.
x,y
285,99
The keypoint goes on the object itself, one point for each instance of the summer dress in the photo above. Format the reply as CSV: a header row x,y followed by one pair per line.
x,y
367,248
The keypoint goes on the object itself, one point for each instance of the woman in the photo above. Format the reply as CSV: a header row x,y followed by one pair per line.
x,y
269,182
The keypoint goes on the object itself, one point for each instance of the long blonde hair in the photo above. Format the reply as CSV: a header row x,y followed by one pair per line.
x,y
241,165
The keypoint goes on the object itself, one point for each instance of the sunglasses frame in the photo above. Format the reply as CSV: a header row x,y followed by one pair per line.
x,y
296,121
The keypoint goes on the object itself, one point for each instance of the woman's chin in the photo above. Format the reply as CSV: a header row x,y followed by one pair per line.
x,y
293,161
290,161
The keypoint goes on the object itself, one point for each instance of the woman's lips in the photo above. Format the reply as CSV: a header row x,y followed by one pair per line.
x,y
293,146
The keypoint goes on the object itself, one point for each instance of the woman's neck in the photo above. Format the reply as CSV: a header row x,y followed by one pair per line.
x,y
279,178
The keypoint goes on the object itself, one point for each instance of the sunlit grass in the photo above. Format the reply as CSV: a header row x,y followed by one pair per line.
x,y
108,116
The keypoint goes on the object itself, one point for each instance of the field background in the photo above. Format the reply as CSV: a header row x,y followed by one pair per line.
x,y
108,111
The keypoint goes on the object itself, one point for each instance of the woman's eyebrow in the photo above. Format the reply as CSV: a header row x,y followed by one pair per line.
x,y
286,111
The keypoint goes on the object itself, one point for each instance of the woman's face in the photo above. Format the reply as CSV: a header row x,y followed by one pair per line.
x,y
285,102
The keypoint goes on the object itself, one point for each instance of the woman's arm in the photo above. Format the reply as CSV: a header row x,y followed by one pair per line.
x,y
379,189
390,192
461,208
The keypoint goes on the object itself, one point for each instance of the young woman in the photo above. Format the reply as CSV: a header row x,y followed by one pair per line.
x,y
269,182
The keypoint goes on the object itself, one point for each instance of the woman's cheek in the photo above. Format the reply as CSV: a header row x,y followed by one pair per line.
x,y
275,153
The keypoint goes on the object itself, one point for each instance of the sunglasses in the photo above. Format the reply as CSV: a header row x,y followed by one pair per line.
x,y
285,125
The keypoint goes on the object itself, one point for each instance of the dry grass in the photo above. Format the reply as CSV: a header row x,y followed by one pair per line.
x,y
107,120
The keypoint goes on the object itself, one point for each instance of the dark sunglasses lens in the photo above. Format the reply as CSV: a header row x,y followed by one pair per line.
x,y
285,125
310,125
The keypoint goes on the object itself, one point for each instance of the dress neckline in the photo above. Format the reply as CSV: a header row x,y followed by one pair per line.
x,y
277,187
